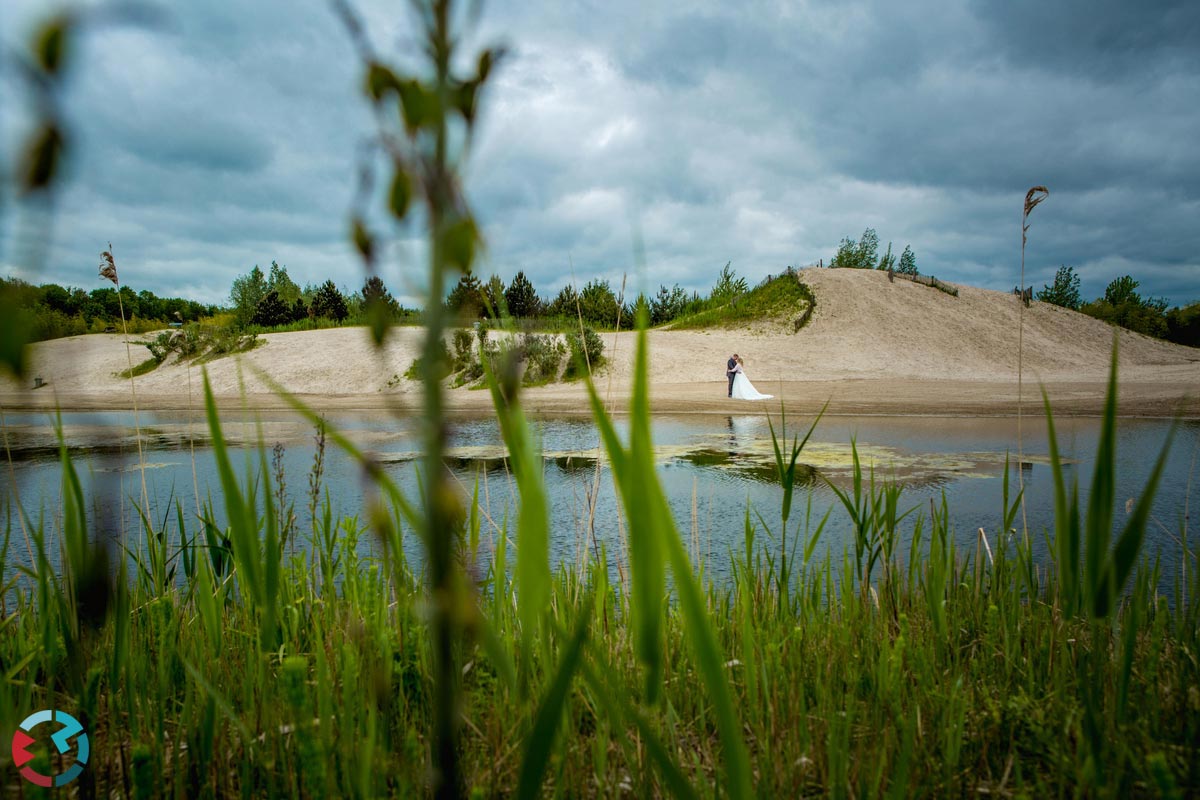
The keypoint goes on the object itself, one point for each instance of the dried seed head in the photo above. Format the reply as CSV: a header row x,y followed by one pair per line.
x,y
1034,196
108,267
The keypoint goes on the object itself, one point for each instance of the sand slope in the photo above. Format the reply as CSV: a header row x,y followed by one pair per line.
x,y
871,345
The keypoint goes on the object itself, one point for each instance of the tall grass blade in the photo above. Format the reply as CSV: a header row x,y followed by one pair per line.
x,y
550,711
533,515
650,520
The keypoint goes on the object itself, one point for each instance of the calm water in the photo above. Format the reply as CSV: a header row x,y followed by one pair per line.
x,y
711,468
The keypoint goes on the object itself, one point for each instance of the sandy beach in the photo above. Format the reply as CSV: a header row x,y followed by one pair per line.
x,y
872,347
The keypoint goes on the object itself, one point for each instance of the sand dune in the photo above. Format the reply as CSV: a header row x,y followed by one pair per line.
x,y
871,346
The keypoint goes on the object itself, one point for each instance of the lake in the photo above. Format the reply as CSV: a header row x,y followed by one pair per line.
x,y
710,466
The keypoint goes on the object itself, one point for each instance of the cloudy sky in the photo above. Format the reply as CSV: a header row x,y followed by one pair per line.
x,y
760,133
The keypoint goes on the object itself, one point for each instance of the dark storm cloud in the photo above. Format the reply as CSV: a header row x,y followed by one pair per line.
x,y
760,133
1098,39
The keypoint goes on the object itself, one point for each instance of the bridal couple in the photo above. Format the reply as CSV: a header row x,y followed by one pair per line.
x,y
740,387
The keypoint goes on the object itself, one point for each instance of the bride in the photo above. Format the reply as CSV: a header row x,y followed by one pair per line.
x,y
743,389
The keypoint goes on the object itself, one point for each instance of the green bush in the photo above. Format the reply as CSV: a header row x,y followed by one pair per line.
x,y
1122,305
543,356
1064,291
587,350
598,304
1183,325
464,350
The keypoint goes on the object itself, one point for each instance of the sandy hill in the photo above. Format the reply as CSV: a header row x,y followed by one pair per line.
x,y
866,327
871,345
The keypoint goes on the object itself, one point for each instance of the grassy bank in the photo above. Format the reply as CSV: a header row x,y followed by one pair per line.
x,y
782,298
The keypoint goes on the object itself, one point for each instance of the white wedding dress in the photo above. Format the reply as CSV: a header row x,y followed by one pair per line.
x,y
743,389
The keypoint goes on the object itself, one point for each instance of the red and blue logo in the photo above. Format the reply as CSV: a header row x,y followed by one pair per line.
x,y
71,729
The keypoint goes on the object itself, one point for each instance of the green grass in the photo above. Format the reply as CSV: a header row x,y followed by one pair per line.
x,y
783,298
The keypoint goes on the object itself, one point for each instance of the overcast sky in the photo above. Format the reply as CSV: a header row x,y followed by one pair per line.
x,y
760,133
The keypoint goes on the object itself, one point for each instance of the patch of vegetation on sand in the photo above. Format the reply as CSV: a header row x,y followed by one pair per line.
x,y
780,298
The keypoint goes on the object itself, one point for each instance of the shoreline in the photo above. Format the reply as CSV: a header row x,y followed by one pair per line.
x,y
881,397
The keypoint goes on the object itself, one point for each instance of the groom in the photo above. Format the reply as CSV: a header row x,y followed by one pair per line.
x,y
729,373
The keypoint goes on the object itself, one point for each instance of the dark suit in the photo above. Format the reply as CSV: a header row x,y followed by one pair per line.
x,y
729,366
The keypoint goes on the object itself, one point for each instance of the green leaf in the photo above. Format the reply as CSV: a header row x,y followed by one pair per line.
x,y
465,100
50,43
458,243
487,60
1103,491
42,158
418,106
1129,543
647,569
653,534
379,321
13,336
400,195
380,81
363,242
541,738
241,512
533,515
1066,542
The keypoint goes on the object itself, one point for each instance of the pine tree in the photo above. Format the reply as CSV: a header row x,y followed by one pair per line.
x,y
466,298
844,257
598,304
272,311
329,303
521,298
868,248
375,293
667,304
887,261
908,262
565,303
493,293
859,254
728,286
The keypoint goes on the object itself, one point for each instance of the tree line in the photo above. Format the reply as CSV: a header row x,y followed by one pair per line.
x,y
1121,304
51,311
273,299
863,253
596,303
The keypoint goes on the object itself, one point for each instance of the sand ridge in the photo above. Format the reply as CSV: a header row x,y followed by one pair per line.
x,y
872,346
